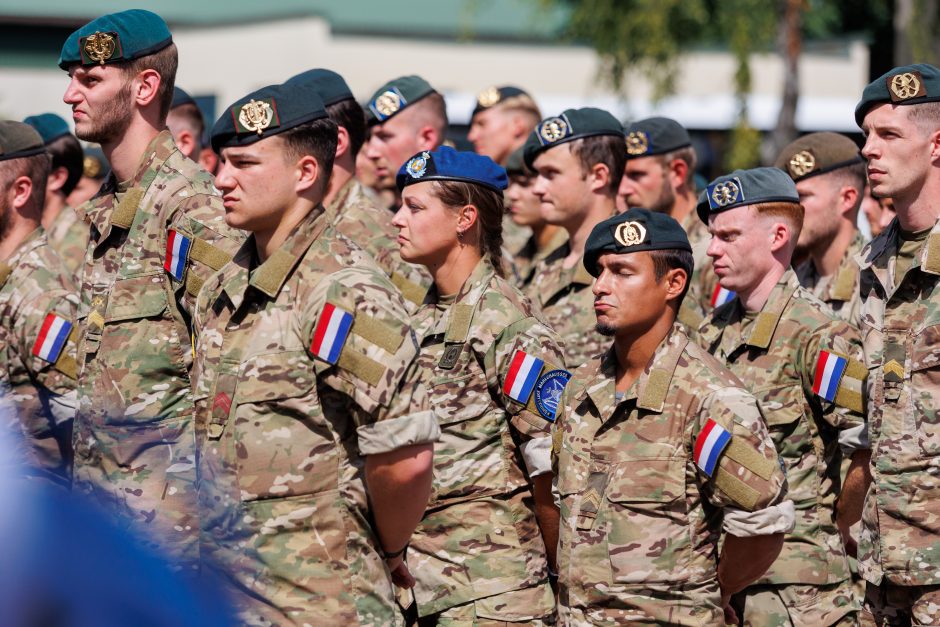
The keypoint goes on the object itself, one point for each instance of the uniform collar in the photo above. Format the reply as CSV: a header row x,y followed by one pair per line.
x,y
562,278
762,331
875,257
341,200
459,316
842,284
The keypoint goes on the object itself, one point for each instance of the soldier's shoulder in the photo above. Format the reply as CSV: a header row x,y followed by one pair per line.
x,y
809,312
502,304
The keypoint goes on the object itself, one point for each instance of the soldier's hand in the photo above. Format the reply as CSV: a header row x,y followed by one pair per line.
x,y
731,617
401,576
850,544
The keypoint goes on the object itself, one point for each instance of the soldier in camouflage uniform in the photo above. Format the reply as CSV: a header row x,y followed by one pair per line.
x,y
315,443
656,438
899,552
579,158
830,178
494,373
38,301
157,231
67,233
351,208
803,365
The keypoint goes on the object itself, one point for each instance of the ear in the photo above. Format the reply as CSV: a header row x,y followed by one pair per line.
x,y
675,281
57,179
678,171
209,160
186,142
467,218
22,189
935,146
342,141
519,127
848,198
428,138
780,235
308,174
145,88
599,177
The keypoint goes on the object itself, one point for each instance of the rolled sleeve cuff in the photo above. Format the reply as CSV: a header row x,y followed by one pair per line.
x,y
537,454
854,439
779,518
392,434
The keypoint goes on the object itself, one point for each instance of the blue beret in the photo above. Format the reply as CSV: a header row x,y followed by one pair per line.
x,y
396,96
746,187
572,124
492,96
19,140
655,136
633,231
115,38
905,85
265,112
331,86
49,126
447,164
180,98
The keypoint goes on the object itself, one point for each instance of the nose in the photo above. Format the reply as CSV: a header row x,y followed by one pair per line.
x,y
601,284
539,187
71,93
714,248
223,178
868,149
372,148
398,220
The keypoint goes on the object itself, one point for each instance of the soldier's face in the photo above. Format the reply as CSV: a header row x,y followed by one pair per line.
x,y
646,184
524,205
100,97
820,197
427,229
628,300
491,133
740,247
391,144
900,151
563,188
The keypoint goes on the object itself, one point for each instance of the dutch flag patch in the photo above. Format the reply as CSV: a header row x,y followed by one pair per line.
x,y
711,441
829,370
721,296
52,337
177,251
523,372
331,333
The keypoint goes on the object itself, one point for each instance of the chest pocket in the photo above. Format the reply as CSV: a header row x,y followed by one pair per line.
x,y
460,393
925,382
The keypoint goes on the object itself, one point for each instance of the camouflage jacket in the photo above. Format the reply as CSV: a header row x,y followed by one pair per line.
x,y
839,291
781,358
133,436
900,324
38,301
567,304
696,304
355,214
305,364
68,236
527,259
480,536
639,530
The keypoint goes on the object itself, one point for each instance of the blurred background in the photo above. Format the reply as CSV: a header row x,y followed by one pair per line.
x,y
745,76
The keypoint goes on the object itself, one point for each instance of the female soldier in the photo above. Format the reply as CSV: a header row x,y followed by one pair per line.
x,y
494,373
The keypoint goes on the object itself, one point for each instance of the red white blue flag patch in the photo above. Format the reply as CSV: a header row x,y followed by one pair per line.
x,y
177,251
523,372
711,441
721,296
53,334
829,370
331,333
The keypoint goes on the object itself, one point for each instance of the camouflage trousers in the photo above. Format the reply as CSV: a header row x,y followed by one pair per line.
x,y
509,609
891,605
795,605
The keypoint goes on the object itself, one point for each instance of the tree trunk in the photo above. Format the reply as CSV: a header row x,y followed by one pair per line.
x,y
791,44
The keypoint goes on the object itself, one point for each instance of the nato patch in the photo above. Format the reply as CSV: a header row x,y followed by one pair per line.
x,y
548,390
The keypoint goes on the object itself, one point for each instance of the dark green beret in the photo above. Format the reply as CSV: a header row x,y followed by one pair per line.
x,y
817,153
572,124
19,140
395,96
492,96
746,187
331,86
95,165
180,98
515,163
265,112
905,85
633,231
49,126
655,136
115,38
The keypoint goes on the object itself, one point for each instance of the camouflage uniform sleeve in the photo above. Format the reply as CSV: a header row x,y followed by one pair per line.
x,y
738,467
376,364
531,404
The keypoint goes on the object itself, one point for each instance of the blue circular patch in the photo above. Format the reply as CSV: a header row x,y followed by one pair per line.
x,y
548,391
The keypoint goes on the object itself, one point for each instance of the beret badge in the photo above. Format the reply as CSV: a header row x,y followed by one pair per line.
x,y
91,167
256,115
554,129
488,97
630,234
417,166
638,143
906,86
802,163
387,104
724,194
99,47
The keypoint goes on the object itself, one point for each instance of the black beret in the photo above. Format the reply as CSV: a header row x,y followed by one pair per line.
x,y
492,96
19,140
817,153
396,96
633,231
746,187
447,164
49,126
655,136
905,85
331,86
116,37
572,124
515,163
265,112
180,98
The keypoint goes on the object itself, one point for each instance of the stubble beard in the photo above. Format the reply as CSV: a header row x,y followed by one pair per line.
x,y
113,120
605,329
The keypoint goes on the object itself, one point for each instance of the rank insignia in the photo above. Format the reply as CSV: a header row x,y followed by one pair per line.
x,y
630,233
893,371
53,334
488,97
802,163
177,252
553,130
100,47
548,390
387,104
418,166
906,86
331,332
724,193
256,116
638,143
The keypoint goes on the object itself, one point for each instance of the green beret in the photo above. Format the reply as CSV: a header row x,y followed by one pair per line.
x,y
19,140
115,38
572,124
180,98
396,96
905,85
633,231
265,112
49,126
817,153
515,164
492,96
655,136
746,187
331,86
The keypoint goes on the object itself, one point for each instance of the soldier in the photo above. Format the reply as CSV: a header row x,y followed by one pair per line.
x,y
38,301
830,178
157,232
494,373
66,232
315,446
899,554
95,168
802,364
525,211
579,159
350,208
656,436
660,176
405,116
